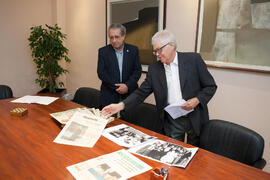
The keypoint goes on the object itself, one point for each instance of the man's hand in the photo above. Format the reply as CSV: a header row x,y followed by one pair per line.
x,y
190,104
122,88
112,109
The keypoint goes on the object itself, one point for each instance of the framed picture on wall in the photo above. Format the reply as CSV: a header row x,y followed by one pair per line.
x,y
234,34
142,19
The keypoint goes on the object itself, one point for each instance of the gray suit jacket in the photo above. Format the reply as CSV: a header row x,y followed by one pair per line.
x,y
195,81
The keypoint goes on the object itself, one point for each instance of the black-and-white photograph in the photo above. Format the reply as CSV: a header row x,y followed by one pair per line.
x,y
126,136
165,152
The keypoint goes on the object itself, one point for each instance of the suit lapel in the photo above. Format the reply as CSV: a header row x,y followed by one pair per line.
x,y
126,52
182,70
163,82
162,76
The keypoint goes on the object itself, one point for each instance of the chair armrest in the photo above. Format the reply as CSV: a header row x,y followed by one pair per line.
x,y
260,164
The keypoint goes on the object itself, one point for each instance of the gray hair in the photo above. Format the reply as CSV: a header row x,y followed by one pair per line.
x,y
118,26
164,36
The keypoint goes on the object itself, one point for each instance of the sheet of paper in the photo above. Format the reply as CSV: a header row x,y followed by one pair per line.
x,y
117,165
176,111
64,116
126,136
165,152
45,100
82,130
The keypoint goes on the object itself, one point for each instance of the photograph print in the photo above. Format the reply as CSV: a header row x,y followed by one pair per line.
x,y
165,152
126,136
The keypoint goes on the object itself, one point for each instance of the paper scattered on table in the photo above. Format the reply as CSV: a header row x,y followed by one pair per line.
x,y
117,165
82,130
176,111
64,116
45,100
126,136
165,152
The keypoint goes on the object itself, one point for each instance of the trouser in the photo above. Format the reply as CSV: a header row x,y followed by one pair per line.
x,y
176,128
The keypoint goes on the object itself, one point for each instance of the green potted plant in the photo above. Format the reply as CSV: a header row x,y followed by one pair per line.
x,y
47,49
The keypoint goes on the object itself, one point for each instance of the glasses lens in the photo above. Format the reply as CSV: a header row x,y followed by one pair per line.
x,y
159,49
114,37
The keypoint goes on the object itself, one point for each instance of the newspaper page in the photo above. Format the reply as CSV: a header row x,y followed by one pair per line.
x,y
45,100
64,116
126,136
82,130
165,152
117,165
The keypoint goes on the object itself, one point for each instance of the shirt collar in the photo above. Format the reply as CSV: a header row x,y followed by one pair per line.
x,y
174,62
121,51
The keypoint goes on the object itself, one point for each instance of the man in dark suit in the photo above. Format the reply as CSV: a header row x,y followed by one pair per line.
x,y
119,67
174,78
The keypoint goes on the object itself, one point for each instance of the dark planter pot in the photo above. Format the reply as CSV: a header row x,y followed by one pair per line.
x,y
59,92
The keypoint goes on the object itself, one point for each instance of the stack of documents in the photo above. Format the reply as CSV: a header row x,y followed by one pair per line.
x,y
82,129
64,116
45,100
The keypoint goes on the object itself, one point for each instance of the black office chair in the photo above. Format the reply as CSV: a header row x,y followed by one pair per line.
x,y
5,92
233,141
88,97
144,115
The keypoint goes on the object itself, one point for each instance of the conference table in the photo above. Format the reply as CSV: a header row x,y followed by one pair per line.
x,y
27,150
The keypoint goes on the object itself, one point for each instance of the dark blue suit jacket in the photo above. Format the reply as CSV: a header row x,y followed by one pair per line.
x,y
195,81
109,74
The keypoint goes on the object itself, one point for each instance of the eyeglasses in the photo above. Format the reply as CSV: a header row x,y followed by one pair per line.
x,y
114,37
159,50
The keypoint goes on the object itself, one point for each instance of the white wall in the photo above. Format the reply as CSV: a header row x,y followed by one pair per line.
x,y
17,68
86,30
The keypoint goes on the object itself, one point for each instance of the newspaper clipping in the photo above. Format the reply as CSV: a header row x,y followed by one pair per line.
x,y
117,165
82,130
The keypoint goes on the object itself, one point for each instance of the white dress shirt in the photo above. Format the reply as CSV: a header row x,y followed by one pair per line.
x,y
173,81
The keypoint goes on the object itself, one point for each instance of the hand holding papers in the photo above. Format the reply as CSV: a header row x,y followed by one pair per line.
x,y
176,110
45,100
117,165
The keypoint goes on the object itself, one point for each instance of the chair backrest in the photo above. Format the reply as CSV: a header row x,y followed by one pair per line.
x,y
233,141
5,92
144,115
88,97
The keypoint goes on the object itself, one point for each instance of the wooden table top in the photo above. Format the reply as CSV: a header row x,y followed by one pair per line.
x,y
27,150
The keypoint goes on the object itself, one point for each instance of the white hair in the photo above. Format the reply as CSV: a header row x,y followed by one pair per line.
x,y
164,36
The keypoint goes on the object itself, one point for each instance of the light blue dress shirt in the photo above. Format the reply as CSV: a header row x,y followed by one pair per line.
x,y
119,55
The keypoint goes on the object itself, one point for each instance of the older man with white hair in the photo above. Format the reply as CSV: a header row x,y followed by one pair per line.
x,y
175,77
